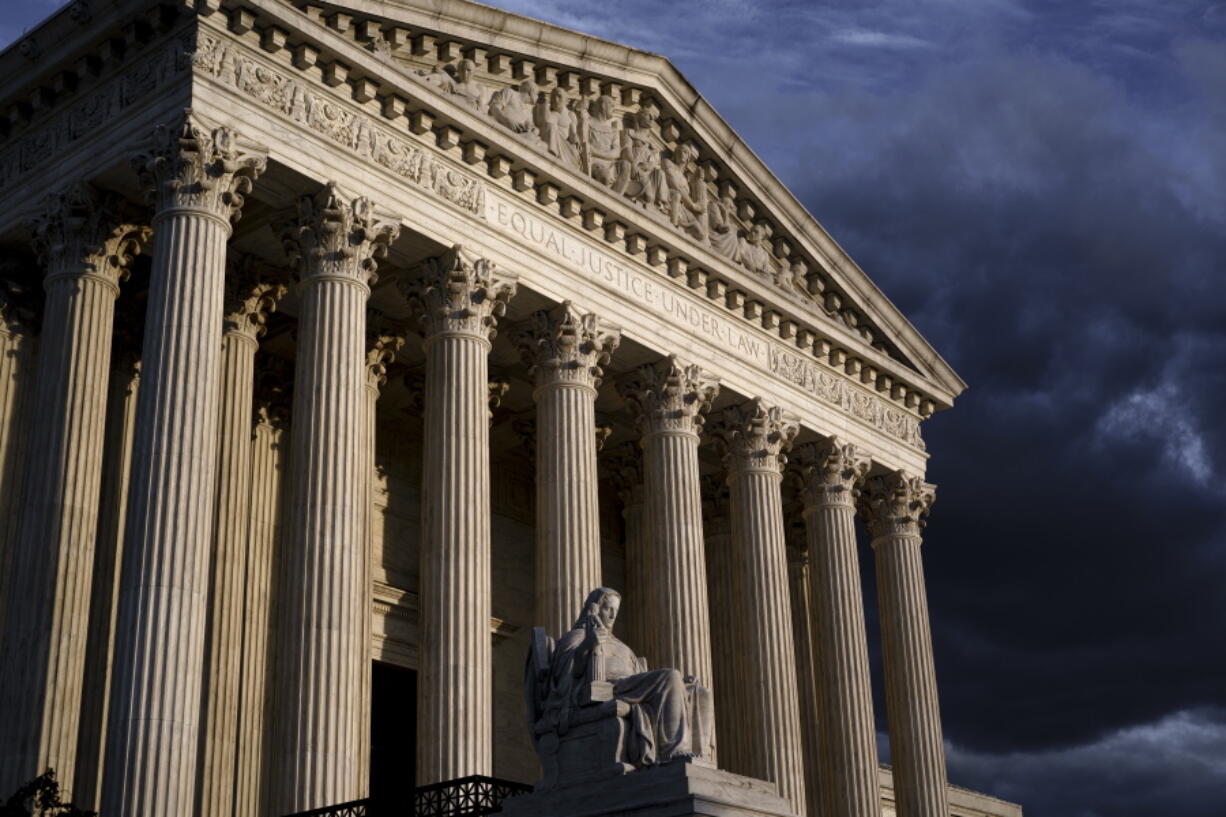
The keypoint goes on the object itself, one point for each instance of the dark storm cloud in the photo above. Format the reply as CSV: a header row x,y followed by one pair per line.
x,y
1041,187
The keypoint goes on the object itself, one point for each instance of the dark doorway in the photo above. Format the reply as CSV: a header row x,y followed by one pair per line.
x,y
393,734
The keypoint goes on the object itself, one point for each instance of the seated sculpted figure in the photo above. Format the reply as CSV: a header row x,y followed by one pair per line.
x,y
595,708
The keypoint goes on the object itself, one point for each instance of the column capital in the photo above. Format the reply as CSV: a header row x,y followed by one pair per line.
x,y
334,237
563,345
669,396
195,166
831,473
252,292
458,294
755,437
382,345
497,389
18,312
274,391
81,232
896,505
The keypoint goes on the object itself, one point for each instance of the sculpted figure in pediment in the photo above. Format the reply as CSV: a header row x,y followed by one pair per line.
x,y
558,127
688,199
514,107
600,140
723,235
755,254
641,179
459,81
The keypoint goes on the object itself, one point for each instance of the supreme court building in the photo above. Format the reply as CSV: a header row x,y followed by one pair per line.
x,y
341,343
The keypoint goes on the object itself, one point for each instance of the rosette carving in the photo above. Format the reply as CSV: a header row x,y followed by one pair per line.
x,y
336,237
564,345
669,395
252,293
831,472
194,166
79,233
458,294
755,436
896,504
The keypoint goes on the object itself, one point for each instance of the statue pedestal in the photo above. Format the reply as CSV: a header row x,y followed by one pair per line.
x,y
673,790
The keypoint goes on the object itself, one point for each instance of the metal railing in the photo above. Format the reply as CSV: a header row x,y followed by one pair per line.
x,y
473,796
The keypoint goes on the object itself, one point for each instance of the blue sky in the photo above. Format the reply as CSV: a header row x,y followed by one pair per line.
x,y
1041,187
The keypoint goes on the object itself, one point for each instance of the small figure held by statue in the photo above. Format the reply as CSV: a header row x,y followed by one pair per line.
x,y
595,710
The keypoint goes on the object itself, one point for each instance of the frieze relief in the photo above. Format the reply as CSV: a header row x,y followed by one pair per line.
x,y
96,107
297,101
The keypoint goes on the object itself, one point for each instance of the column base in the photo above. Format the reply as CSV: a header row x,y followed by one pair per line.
x,y
673,790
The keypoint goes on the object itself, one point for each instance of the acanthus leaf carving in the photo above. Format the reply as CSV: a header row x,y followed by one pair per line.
x,y
563,344
458,294
624,465
81,231
896,504
383,343
755,436
334,236
252,292
831,472
669,395
192,165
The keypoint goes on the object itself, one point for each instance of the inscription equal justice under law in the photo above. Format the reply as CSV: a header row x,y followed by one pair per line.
x,y
769,357
627,281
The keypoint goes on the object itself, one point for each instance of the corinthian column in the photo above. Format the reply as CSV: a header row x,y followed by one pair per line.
x,y
625,464
669,400
199,177
755,438
459,299
565,350
335,244
832,473
17,325
727,662
268,464
250,295
895,507
86,254
381,348
806,684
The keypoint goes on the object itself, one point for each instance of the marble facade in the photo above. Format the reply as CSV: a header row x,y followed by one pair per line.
x,y
334,332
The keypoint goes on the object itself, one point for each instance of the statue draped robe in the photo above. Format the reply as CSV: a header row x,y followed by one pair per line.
x,y
660,703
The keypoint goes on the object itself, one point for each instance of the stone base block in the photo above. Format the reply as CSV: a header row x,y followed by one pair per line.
x,y
672,790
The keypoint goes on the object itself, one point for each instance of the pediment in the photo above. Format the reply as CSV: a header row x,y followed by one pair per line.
x,y
627,122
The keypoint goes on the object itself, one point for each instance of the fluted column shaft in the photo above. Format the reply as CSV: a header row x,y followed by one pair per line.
x,y
17,363
806,682
565,349
670,399
335,242
381,350
895,506
256,692
755,437
153,725
832,472
112,508
459,300
249,296
52,566
727,670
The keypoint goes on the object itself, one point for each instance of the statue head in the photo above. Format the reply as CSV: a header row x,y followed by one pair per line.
x,y
602,108
603,603
557,99
464,70
529,90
